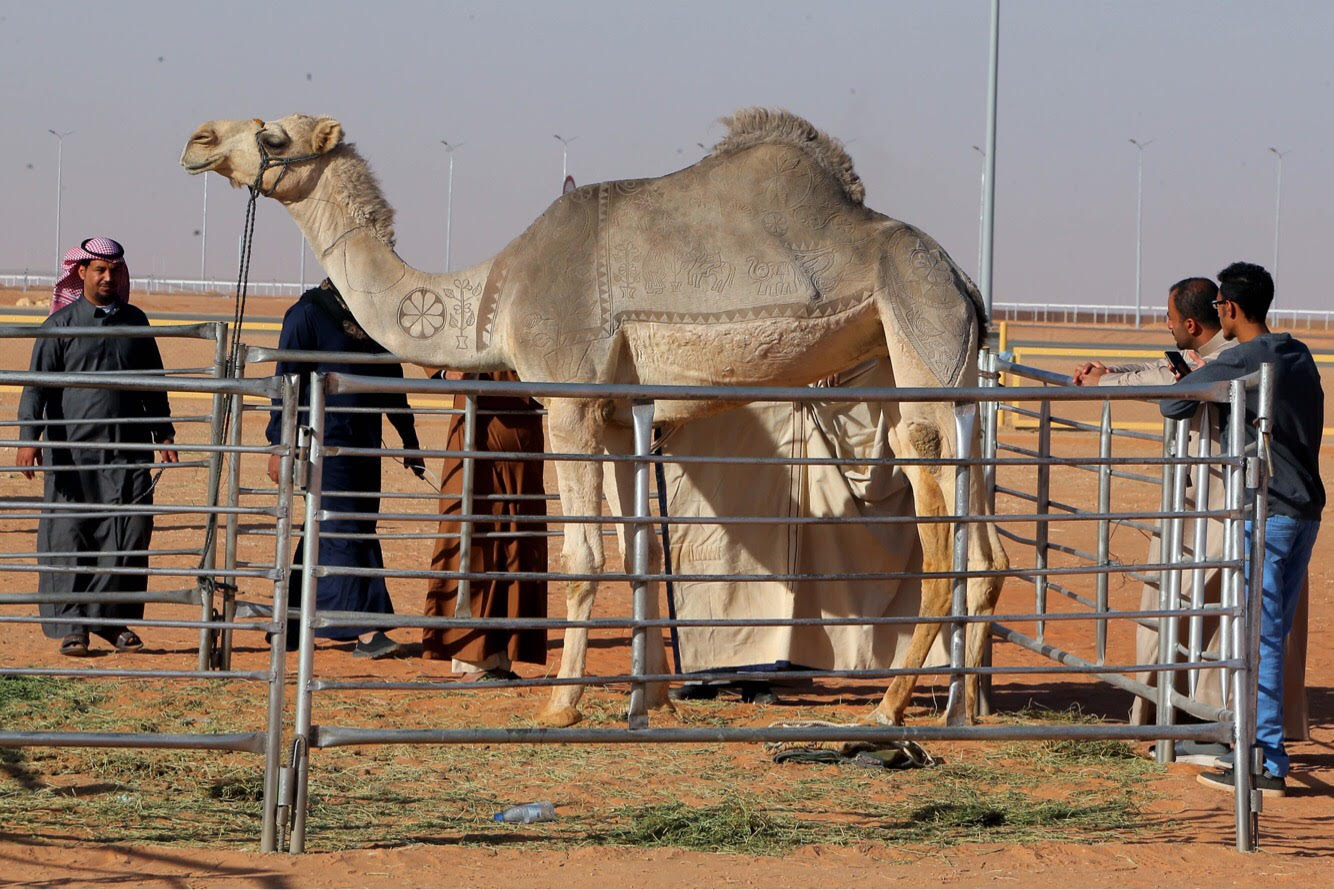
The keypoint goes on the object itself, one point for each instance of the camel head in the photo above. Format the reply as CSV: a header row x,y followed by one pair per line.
x,y
236,150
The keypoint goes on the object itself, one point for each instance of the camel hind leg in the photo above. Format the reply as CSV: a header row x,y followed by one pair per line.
x,y
927,430
920,432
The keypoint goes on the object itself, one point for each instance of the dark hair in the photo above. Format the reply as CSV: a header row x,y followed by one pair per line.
x,y
1194,298
1250,287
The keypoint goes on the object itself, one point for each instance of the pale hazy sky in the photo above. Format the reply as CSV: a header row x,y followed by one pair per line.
x,y
638,85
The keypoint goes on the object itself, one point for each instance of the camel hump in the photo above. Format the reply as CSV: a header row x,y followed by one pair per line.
x,y
761,126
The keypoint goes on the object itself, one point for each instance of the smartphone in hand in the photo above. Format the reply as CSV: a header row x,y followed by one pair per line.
x,y
1177,362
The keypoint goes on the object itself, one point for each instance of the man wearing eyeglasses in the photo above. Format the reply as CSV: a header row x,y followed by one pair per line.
x,y
1296,496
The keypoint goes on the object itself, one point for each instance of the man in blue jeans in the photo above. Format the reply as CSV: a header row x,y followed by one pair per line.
x,y
1296,494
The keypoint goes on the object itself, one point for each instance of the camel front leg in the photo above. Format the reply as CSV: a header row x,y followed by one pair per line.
x,y
572,430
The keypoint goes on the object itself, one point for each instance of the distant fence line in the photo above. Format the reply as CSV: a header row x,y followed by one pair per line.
x,y
1071,313
151,284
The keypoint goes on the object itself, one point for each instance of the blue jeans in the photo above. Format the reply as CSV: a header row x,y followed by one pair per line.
x,y
1288,545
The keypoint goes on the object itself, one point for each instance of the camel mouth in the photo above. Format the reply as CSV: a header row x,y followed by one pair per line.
x,y
193,167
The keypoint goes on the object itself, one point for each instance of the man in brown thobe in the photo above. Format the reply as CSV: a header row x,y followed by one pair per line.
x,y
505,489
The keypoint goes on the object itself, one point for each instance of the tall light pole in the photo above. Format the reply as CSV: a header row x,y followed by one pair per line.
x,y
981,207
1139,226
449,199
60,164
989,178
203,238
1278,206
564,155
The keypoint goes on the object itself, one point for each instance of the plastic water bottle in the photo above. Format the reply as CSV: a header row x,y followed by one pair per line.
x,y
542,811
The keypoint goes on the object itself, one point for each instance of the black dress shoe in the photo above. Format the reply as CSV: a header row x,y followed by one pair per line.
x,y
757,693
694,692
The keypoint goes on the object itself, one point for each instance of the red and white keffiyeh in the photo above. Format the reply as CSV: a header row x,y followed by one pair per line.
x,y
69,286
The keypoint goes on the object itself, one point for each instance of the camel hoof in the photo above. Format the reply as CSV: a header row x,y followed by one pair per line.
x,y
656,697
665,706
557,717
879,718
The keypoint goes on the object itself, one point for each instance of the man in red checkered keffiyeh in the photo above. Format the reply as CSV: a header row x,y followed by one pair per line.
x,y
69,286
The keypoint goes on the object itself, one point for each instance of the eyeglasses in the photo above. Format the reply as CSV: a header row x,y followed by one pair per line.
x,y
1220,302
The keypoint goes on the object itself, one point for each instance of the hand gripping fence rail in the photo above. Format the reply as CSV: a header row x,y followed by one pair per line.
x,y
186,494
1070,575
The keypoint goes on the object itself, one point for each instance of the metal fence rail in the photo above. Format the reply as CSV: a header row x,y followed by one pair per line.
x,y
176,575
1221,724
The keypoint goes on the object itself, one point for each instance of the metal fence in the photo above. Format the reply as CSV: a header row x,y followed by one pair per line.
x,y
183,573
1098,313
1069,559
1241,477
153,284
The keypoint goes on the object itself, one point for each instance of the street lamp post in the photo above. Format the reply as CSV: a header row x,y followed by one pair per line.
x,y
60,164
981,208
1278,206
564,155
989,180
1139,226
203,241
449,199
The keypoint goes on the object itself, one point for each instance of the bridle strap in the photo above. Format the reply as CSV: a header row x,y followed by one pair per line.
x,y
267,160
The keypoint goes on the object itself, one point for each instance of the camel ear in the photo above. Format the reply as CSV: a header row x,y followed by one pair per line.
x,y
327,135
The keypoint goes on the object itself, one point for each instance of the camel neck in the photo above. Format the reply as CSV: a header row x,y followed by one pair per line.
x,y
393,301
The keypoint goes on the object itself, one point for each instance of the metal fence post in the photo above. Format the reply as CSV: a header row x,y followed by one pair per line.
x,y
310,542
1104,526
1042,532
1169,590
208,639
467,477
1249,759
1164,750
234,439
990,422
278,635
1199,543
965,425
642,413
1243,686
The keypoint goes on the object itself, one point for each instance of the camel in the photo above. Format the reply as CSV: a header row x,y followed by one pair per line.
x,y
760,264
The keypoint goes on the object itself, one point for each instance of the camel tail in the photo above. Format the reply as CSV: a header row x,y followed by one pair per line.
x,y
979,307
760,126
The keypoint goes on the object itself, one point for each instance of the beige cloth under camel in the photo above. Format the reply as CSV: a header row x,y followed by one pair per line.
x,y
855,430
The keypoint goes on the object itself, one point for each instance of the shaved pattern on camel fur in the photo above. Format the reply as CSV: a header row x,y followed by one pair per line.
x,y
757,265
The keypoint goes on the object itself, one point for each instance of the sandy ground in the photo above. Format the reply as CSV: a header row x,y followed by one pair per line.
x,y
1196,850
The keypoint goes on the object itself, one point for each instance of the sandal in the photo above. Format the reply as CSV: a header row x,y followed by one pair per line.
x,y
127,641
75,645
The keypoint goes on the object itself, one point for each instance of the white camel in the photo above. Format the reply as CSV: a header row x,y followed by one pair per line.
x,y
760,264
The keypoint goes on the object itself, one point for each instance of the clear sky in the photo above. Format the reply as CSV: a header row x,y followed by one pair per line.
x,y
637,86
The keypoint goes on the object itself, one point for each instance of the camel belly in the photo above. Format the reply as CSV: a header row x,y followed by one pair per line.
x,y
784,351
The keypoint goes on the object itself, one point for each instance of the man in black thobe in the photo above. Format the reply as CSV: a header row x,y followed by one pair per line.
x,y
79,474
321,322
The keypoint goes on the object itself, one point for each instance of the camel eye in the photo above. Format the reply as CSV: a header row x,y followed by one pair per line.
x,y
274,140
